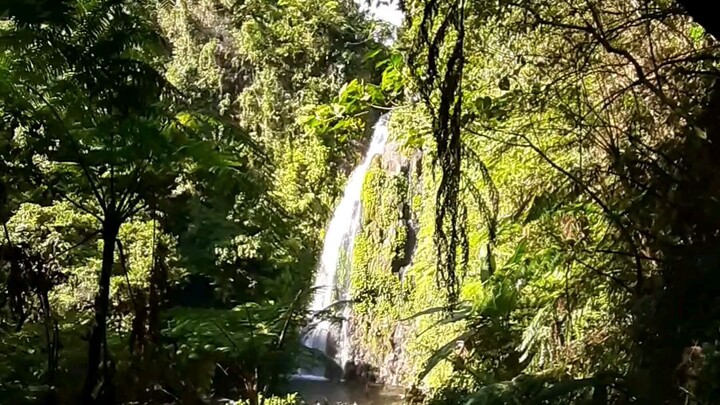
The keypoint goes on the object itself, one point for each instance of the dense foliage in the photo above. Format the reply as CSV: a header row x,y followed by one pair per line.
x,y
542,227
568,178
163,191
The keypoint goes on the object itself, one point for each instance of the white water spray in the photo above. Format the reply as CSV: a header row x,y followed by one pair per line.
x,y
336,255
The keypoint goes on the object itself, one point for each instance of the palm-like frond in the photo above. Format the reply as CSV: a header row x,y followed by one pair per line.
x,y
444,352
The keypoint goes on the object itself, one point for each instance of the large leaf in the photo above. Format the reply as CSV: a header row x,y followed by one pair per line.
x,y
443,353
563,388
435,310
458,315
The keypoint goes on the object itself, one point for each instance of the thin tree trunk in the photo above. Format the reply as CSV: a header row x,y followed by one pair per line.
x,y
94,386
52,340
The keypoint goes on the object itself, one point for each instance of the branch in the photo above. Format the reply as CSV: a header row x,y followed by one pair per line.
x,y
599,35
602,39
112,171
125,204
75,145
82,242
609,276
617,220
74,203
288,318
494,139
620,253
121,251
7,234
133,208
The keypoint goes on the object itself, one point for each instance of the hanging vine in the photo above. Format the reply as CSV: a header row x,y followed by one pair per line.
x,y
438,60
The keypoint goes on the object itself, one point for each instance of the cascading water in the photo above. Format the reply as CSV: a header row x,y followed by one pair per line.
x,y
332,277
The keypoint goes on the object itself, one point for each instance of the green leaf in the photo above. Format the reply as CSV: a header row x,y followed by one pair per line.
x,y
540,206
396,60
443,353
483,103
429,311
458,315
373,53
564,388
518,255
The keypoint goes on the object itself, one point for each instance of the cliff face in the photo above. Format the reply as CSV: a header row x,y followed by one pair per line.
x,y
404,168
393,279
383,253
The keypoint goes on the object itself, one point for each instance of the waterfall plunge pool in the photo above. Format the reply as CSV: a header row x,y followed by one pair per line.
x,y
313,390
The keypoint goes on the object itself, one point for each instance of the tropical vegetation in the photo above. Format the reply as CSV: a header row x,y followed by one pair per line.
x,y
541,228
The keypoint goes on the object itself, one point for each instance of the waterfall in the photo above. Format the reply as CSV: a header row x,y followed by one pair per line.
x,y
332,276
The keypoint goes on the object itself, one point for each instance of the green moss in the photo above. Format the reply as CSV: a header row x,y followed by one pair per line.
x,y
399,242
389,202
372,191
417,201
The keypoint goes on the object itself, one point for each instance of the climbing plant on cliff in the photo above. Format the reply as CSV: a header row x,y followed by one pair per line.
x,y
438,60
444,74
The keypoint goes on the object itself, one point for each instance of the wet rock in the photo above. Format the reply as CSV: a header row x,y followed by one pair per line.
x,y
393,160
350,371
362,371
414,395
392,367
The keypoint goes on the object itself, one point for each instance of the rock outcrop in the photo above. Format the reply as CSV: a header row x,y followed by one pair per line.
x,y
384,250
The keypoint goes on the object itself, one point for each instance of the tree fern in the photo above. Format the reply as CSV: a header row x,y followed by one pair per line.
x,y
104,122
533,334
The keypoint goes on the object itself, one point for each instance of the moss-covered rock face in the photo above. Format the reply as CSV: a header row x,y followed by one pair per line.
x,y
381,243
385,283
379,247
393,265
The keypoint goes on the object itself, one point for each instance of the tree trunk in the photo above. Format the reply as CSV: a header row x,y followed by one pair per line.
x,y
94,385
